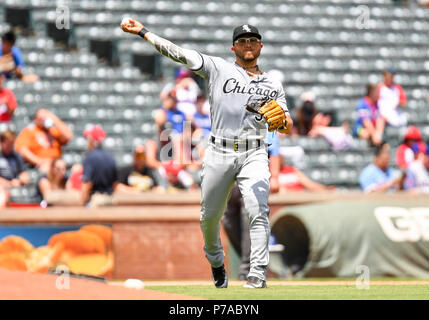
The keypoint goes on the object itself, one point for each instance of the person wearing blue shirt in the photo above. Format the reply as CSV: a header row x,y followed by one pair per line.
x,y
11,61
12,171
200,119
174,117
378,176
99,166
369,124
100,175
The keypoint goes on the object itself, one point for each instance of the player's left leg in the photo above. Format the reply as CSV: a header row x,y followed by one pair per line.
x,y
254,182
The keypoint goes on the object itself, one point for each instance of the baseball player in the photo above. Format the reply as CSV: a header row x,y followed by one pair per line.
x,y
243,100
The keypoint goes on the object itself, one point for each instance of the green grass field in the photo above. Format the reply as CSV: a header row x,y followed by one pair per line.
x,y
277,291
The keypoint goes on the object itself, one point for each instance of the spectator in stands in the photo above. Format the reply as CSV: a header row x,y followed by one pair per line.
x,y
12,171
41,142
177,176
201,119
338,137
174,117
55,179
11,61
140,176
169,144
99,167
285,178
8,102
157,144
292,179
100,176
187,91
193,147
305,115
152,149
378,176
404,153
391,98
417,174
369,124
75,179
172,129
318,124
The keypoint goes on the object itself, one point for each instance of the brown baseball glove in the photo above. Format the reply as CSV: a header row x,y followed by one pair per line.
x,y
274,115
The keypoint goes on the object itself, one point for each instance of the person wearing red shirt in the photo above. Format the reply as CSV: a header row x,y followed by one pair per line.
x,y
8,102
404,153
292,179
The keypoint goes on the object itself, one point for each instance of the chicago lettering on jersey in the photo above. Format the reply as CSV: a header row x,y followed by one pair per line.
x,y
233,86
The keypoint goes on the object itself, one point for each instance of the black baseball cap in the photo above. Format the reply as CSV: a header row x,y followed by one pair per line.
x,y
245,29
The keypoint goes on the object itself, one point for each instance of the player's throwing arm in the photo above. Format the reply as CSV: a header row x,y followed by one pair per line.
x,y
190,58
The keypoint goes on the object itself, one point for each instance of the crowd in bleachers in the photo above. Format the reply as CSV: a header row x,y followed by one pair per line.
x,y
172,159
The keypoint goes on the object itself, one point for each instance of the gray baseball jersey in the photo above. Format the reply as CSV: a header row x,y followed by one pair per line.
x,y
230,89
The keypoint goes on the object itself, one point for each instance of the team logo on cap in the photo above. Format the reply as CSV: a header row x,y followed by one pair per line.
x,y
246,28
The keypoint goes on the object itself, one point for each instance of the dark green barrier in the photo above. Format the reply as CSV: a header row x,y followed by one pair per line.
x,y
337,239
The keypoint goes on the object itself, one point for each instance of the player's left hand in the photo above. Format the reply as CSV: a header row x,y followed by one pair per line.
x,y
274,115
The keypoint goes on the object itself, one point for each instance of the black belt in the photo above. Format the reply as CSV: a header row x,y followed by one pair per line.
x,y
236,143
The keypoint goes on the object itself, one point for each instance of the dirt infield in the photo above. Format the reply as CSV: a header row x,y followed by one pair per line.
x,y
17,285
291,283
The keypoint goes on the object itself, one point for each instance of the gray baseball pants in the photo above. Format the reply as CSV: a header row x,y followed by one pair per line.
x,y
221,167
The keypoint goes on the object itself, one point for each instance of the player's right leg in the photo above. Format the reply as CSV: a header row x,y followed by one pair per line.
x,y
231,219
217,181
236,226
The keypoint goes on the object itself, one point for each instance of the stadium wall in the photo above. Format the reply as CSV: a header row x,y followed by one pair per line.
x,y
160,238
149,242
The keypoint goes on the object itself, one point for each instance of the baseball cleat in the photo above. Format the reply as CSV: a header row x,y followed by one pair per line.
x,y
220,277
255,283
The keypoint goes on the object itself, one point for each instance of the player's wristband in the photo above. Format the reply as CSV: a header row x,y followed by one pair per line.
x,y
143,32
